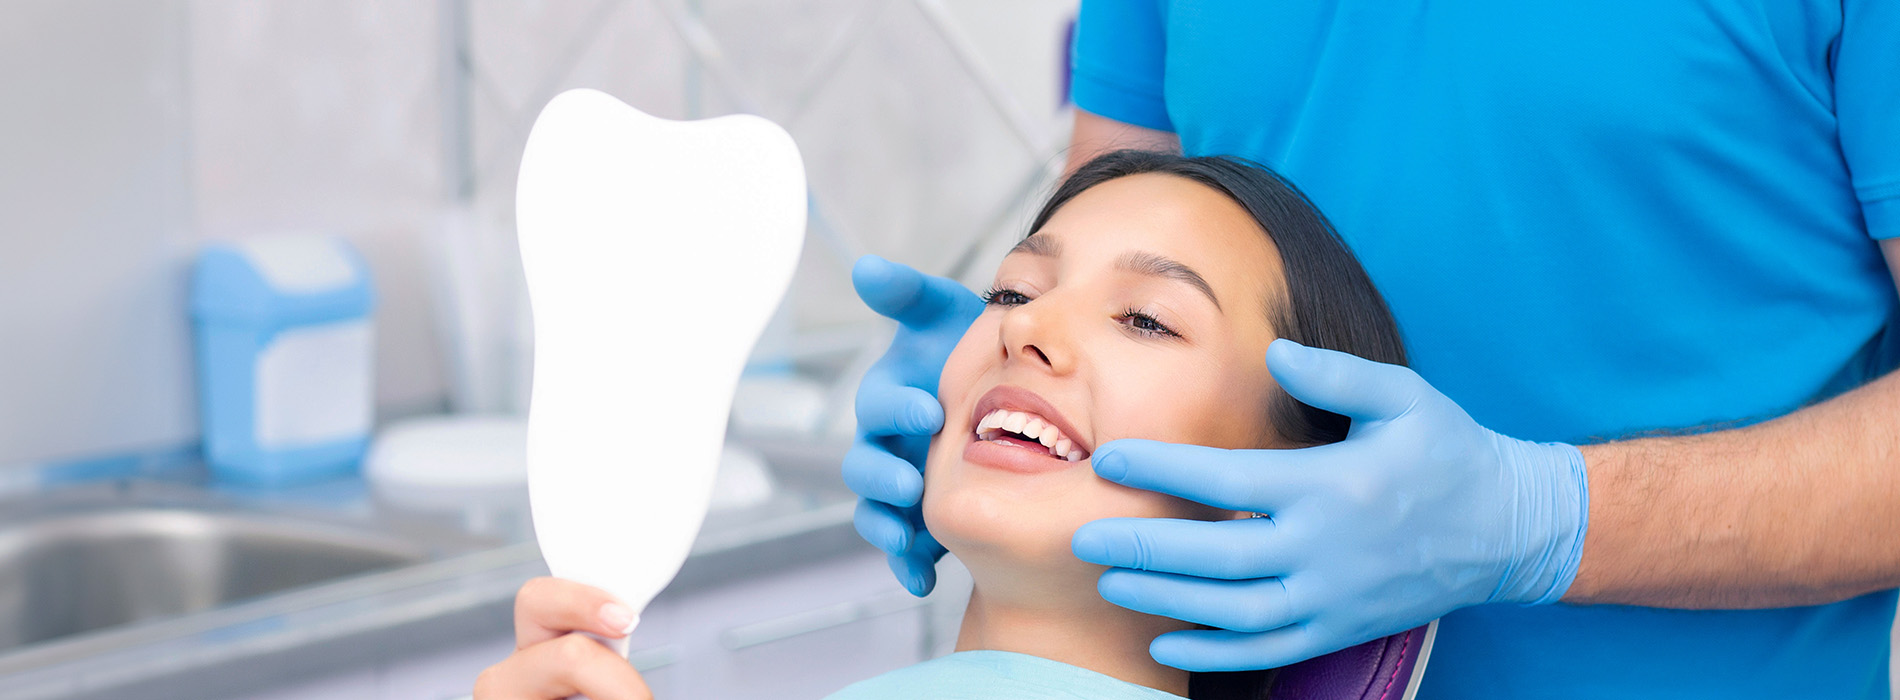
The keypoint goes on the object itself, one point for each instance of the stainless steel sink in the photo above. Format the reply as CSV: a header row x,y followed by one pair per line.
x,y
63,574
172,585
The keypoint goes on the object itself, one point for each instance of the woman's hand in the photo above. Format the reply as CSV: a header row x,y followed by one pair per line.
x,y
550,661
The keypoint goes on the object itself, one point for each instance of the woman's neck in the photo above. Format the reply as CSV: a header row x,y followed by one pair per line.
x,y
1080,630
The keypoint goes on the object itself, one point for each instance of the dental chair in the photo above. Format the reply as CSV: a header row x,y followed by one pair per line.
x,y
1382,669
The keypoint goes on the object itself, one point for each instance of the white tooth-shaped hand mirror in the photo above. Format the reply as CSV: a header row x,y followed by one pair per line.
x,y
655,252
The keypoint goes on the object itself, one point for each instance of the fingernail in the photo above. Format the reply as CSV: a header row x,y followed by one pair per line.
x,y
904,575
1289,352
897,542
915,581
1089,547
1110,466
1113,587
923,418
617,617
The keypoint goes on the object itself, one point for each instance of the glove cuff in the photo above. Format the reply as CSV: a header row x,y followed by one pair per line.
x,y
1553,515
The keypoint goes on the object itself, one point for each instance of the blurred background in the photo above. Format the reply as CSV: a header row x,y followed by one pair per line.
x,y
315,492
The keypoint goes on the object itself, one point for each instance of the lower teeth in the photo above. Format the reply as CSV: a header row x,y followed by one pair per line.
x,y
1044,449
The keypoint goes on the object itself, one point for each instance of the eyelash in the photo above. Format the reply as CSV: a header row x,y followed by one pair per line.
x,y
1141,323
994,297
1158,329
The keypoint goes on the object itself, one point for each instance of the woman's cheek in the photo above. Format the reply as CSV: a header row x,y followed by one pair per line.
x,y
975,353
956,384
1112,500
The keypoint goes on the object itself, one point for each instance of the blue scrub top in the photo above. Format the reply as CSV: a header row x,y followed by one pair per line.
x,y
1592,220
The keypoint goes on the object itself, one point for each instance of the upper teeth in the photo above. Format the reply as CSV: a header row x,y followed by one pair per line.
x,y
1031,426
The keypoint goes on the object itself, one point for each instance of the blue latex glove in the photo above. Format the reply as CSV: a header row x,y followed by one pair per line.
x,y
1419,512
898,411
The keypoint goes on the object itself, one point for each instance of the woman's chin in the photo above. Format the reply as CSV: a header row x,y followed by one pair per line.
x,y
1012,524
1003,528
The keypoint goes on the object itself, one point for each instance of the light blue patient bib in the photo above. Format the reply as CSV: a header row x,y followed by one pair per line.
x,y
996,675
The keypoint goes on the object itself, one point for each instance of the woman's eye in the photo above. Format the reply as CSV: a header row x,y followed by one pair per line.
x,y
999,296
1146,325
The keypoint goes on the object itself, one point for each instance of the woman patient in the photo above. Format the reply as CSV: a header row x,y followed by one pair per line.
x,y
1140,305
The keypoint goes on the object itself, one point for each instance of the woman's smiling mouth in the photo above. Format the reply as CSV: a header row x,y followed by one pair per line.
x,y
1028,431
1013,428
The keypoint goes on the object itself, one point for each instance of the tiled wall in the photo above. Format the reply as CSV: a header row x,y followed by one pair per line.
x,y
149,128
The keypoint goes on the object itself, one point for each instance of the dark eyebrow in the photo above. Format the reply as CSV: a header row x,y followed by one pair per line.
x,y
1038,245
1157,266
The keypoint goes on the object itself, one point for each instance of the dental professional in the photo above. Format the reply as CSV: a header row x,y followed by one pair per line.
x,y
1651,445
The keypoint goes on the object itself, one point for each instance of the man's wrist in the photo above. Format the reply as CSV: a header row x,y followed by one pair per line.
x,y
1553,514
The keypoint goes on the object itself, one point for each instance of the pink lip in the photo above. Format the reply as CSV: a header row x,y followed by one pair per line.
x,y
1015,398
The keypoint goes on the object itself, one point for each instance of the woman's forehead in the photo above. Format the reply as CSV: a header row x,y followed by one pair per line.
x,y
1156,215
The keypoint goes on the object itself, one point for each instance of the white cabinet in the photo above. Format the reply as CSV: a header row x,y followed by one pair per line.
x,y
802,634
798,633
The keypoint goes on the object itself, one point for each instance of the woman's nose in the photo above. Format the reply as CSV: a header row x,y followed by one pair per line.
x,y
1038,333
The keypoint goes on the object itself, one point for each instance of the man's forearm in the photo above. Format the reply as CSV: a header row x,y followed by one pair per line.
x,y
1803,509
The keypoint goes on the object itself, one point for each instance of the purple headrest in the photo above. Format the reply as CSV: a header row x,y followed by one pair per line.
x,y
1382,669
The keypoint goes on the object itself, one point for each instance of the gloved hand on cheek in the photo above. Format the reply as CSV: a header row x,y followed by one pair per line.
x,y
1418,512
897,411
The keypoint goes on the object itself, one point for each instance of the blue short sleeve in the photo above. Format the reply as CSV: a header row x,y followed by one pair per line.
x,y
1120,62
1867,102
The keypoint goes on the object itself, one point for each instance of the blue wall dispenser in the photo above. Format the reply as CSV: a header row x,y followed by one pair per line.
x,y
285,352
